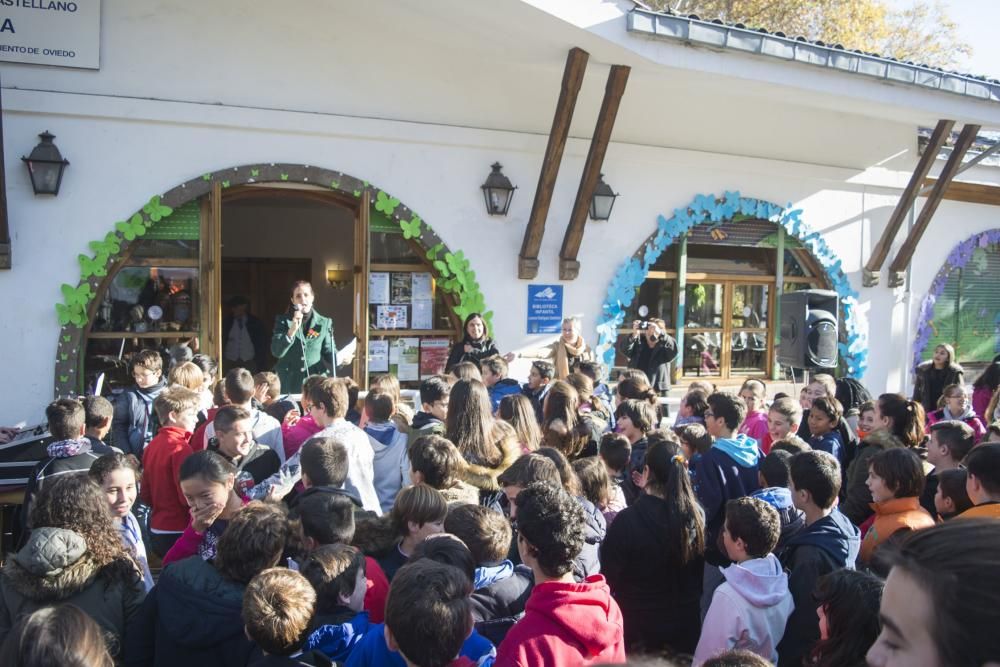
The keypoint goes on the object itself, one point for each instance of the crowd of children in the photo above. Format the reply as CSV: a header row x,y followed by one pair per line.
x,y
556,523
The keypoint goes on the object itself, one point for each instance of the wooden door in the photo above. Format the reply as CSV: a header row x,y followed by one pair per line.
x,y
361,268
210,264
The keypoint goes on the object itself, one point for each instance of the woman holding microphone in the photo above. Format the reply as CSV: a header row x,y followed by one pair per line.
x,y
302,341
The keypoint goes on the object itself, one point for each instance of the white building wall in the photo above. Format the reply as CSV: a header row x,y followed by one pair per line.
x,y
845,171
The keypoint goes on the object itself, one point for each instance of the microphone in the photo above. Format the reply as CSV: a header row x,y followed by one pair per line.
x,y
296,307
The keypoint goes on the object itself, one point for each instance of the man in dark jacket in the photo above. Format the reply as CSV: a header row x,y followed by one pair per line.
x,y
245,338
651,352
828,542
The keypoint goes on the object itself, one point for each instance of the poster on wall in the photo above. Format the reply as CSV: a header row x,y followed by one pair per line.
x,y
404,359
423,287
41,32
400,288
378,287
423,314
391,317
545,305
378,356
433,356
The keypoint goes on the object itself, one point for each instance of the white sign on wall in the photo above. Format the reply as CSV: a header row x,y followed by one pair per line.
x,y
51,32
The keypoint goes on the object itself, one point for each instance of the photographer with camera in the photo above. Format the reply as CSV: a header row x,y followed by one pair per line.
x,y
651,349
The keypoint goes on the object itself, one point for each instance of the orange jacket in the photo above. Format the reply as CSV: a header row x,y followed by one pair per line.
x,y
890,516
984,511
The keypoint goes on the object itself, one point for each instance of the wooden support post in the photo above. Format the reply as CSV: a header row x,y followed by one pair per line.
x,y
5,244
779,288
681,301
569,267
870,274
897,270
576,64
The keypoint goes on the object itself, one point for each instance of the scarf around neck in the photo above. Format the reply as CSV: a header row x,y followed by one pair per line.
x,y
564,351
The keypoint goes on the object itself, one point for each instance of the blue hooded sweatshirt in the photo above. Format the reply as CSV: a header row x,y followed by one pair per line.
x,y
728,470
372,651
337,640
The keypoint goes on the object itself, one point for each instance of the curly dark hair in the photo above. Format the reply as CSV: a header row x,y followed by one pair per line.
x,y
74,502
552,523
850,600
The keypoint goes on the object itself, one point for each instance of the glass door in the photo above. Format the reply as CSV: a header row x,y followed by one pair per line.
x,y
726,332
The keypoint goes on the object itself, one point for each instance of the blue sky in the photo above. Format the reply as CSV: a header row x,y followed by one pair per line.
x,y
977,21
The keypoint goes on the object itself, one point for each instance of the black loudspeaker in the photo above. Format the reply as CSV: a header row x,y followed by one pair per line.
x,y
809,329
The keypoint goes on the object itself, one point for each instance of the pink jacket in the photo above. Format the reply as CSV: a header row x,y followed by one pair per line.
x,y
755,425
295,436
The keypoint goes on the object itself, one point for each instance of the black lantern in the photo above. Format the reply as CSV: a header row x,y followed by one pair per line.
x,y
497,191
602,201
45,166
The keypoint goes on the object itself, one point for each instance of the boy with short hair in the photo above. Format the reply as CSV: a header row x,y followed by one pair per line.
x,y
950,442
277,606
828,542
328,406
134,423
983,482
783,419
239,389
99,414
539,381
751,608
501,588
267,391
430,420
435,461
728,469
391,468
337,573
495,378
565,623
428,615
68,453
774,477
233,438
177,410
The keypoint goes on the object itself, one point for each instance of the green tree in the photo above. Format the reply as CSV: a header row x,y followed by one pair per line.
x,y
921,33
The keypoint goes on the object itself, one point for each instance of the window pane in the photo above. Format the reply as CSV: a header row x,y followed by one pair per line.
x,y
749,353
703,307
392,248
731,260
166,249
750,306
658,296
150,298
702,354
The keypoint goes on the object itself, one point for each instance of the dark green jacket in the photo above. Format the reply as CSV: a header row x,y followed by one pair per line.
x,y
310,352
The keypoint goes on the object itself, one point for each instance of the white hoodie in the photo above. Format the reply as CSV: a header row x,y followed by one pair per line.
x,y
749,610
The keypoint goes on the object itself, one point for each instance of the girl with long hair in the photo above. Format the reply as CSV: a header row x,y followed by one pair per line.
x,y
516,410
561,427
60,635
475,345
654,557
847,603
488,446
931,377
899,422
74,555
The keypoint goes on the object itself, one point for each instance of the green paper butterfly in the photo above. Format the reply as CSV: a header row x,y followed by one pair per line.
x,y
64,378
254,173
386,204
206,177
411,229
64,357
432,253
335,184
357,193
284,177
155,210
135,227
92,267
67,339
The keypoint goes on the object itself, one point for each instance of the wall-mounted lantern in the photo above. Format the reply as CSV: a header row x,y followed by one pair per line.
x,y
498,191
339,277
45,166
602,201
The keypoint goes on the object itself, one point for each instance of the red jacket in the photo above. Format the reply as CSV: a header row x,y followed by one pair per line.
x,y
198,440
161,488
566,625
378,590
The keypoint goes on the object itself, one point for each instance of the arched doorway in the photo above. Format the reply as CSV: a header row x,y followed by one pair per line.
x,y
168,254
713,271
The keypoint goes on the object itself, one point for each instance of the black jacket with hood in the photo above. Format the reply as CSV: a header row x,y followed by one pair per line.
x,y
191,618
828,544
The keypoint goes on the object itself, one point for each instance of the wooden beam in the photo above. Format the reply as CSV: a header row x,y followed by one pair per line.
x,y
569,267
972,193
576,64
898,267
870,274
5,244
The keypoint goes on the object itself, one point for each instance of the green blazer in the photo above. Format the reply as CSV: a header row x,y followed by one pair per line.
x,y
310,352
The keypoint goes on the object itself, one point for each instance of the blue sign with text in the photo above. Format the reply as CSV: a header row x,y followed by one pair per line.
x,y
545,307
